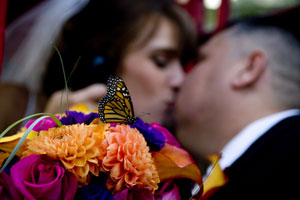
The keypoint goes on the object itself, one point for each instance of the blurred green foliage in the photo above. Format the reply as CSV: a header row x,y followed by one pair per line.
x,y
244,8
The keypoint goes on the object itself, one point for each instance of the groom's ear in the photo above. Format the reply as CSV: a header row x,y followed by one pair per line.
x,y
250,70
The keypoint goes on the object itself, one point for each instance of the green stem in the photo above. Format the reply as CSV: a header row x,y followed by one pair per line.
x,y
17,147
65,78
59,124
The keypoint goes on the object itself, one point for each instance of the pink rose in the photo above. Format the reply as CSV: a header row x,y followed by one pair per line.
x,y
7,188
37,177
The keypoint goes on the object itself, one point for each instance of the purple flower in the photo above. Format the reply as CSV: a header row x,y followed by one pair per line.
x,y
95,190
43,125
155,139
37,177
10,164
7,188
74,117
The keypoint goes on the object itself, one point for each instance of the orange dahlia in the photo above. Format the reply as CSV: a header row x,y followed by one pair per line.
x,y
128,160
77,146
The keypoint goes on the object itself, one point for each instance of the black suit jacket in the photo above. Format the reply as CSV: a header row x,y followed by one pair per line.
x,y
269,169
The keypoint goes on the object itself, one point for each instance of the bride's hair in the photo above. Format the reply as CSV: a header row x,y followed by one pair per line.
x,y
103,31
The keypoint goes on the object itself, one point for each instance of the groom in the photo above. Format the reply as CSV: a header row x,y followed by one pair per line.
x,y
242,99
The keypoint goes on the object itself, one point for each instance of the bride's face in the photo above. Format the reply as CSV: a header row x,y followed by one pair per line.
x,y
153,74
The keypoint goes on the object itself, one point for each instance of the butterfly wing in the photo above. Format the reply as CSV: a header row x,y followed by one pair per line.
x,y
116,106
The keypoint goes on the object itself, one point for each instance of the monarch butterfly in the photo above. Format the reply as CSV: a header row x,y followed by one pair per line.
x,y
116,106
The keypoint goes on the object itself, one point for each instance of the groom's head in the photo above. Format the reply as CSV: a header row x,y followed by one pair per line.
x,y
245,72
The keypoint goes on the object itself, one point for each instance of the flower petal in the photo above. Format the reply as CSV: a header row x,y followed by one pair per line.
x,y
168,168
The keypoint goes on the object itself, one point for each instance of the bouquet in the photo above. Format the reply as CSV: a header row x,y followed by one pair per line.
x,y
82,154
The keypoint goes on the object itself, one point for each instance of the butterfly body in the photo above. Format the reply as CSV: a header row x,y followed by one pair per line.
x,y
116,106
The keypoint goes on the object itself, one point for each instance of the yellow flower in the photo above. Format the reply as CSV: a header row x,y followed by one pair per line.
x,y
80,108
77,146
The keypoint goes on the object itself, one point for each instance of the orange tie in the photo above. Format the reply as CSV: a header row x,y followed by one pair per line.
x,y
215,179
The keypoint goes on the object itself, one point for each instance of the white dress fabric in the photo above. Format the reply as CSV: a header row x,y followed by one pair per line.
x,y
28,41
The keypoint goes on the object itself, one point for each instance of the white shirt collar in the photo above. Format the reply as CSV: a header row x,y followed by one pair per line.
x,y
243,140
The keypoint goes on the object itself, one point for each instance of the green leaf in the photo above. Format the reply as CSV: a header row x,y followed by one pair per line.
x,y
17,147
28,117
75,66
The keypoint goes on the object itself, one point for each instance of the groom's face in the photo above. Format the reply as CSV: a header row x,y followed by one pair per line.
x,y
203,96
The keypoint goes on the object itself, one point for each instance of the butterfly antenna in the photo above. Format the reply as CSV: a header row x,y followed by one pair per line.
x,y
143,114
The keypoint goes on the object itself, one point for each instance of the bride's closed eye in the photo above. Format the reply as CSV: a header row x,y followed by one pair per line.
x,y
163,58
160,60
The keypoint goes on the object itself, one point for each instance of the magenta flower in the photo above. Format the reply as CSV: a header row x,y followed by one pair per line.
x,y
43,125
7,188
168,191
134,193
170,139
37,177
